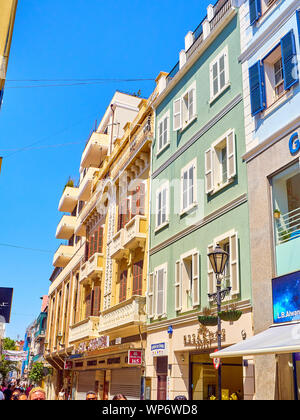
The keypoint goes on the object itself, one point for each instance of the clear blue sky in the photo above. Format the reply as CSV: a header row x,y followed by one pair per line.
x,y
69,39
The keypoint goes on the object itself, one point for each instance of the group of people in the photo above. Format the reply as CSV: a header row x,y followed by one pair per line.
x,y
20,392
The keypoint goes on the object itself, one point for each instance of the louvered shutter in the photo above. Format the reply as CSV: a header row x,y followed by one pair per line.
x,y
257,88
234,264
96,298
192,103
231,155
178,286
150,296
160,135
211,278
254,10
209,178
195,282
100,240
177,115
134,209
160,292
289,60
88,306
142,209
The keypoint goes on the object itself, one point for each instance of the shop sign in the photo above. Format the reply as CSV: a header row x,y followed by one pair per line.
x,y
6,295
93,345
286,298
135,357
204,339
294,144
159,349
68,365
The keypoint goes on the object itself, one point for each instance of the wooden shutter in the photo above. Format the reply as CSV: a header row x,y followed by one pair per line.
x,y
254,10
123,286
141,203
160,292
86,252
178,286
257,88
88,305
177,115
231,155
289,60
192,103
211,279
100,240
209,177
96,300
195,280
234,264
160,135
150,296
137,278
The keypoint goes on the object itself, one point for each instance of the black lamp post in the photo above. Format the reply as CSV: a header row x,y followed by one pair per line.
x,y
218,259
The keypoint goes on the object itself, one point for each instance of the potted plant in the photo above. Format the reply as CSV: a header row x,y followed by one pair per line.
x,y
207,318
277,214
231,314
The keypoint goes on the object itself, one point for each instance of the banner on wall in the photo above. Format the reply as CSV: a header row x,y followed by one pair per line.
x,y
286,298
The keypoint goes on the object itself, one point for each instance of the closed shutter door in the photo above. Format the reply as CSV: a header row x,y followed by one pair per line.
x,y
86,383
126,381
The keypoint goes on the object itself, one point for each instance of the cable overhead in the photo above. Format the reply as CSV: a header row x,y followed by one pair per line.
x,y
25,248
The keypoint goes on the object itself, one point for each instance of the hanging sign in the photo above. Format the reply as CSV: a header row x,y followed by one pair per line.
x,y
135,357
6,295
15,356
216,361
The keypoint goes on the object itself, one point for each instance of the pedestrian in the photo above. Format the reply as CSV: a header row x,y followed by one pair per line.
x,y
37,394
7,392
28,389
62,395
15,394
1,396
91,396
180,398
22,397
119,397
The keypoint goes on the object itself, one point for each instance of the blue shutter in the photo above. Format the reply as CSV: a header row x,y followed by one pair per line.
x,y
289,60
298,22
257,88
255,10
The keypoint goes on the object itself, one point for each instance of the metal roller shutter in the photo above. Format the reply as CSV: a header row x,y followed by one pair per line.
x,y
86,383
126,381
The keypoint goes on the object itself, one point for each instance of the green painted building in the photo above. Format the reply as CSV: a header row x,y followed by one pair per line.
x,y
199,200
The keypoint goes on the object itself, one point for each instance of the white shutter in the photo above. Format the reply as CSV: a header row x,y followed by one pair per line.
x,y
195,282
177,115
178,286
150,296
234,264
209,178
211,278
160,292
160,136
231,155
192,103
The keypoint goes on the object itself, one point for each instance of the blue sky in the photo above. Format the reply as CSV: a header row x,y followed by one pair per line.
x,y
70,39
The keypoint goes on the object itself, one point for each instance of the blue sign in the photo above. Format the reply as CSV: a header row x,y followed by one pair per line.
x,y
160,346
294,144
286,298
5,304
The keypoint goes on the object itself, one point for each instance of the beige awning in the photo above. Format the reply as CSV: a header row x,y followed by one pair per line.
x,y
276,340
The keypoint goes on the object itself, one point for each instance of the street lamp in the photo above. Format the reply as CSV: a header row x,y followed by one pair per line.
x,y
218,259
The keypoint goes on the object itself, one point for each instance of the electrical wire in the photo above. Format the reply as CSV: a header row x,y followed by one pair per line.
x,y
42,147
25,248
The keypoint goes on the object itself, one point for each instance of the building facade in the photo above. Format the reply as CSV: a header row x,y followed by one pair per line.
x,y
96,334
270,34
198,200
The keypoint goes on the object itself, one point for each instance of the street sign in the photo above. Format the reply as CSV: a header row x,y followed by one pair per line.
x,y
135,357
6,295
216,361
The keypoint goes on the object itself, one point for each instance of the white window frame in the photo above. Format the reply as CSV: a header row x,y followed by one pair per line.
x,y
213,166
163,267
180,290
192,164
224,53
165,186
179,108
160,123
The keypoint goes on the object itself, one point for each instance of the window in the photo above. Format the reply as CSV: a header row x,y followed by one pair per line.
x,y
157,292
137,278
162,206
220,162
123,287
138,200
219,74
185,109
95,241
273,76
188,186
187,294
163,132
229,243
259,7
123,213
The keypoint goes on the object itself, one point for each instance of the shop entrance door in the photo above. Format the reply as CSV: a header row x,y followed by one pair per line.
x,y
162,388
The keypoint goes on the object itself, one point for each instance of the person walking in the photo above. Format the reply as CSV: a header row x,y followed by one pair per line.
x,y
1,396
7,393
61,395
37,394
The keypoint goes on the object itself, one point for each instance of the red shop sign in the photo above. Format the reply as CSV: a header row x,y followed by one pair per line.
x,y
135,357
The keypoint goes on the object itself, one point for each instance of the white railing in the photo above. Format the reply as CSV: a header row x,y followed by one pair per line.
x,y
287,227
84,329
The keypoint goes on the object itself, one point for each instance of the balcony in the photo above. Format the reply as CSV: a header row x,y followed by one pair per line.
x,y
68,200
117,251
85,188
84,330
93,267
131,312
63,255
80,228
65,228
95,150
287,233
135,233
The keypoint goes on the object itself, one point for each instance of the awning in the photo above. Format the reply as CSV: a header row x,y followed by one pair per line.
x,y
276,340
